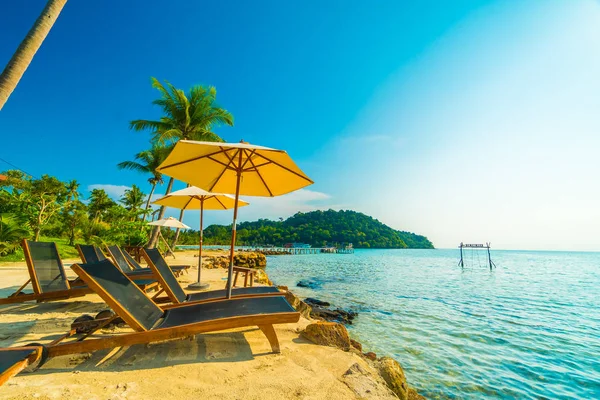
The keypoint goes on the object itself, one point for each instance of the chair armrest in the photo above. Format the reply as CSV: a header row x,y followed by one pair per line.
x,y
244,269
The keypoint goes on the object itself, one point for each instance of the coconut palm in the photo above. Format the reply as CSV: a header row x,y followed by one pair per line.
x,y
133,199
99,203
19,62
72,190
147,163
190,116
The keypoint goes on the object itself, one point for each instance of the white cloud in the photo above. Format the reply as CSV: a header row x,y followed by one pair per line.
x,y
114,191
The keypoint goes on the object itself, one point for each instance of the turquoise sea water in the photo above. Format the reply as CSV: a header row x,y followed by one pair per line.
x,y
529,329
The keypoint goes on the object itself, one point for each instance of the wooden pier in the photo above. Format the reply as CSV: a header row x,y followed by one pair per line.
x,y
304,250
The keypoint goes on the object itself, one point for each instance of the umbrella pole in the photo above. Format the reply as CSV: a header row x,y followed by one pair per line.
x,y
199,285
201,237
234,228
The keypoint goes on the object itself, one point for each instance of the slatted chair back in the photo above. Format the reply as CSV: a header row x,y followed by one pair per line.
x,y
45,266
119,259
120,293
132,262
165,275
90,253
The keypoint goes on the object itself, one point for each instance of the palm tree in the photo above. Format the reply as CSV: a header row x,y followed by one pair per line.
x,y
72,190
19,62
99,203
185,116
148,162
133,199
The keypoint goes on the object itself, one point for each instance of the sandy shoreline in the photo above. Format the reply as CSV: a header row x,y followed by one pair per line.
x,y
231,364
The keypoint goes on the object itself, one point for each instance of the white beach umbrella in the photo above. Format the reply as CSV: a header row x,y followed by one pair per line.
x,y
171,223
194,198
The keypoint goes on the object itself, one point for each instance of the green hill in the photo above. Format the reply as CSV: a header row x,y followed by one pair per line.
x,y
317,228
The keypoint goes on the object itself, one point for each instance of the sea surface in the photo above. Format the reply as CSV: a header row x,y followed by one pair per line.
x,y
528,329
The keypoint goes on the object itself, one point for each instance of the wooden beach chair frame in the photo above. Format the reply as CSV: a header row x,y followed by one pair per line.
x,y
177,269
38,293
15,360
188,321
170,285
119,259
99,256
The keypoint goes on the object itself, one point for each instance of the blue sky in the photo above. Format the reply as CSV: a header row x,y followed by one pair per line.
x,y
464,120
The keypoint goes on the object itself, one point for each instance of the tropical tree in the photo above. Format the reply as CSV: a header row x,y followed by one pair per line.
x,y
191,116
147,163
38,200
133,199
74,216
19,62
11,232
72,190
99,204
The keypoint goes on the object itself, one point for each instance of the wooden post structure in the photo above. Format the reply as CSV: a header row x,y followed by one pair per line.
x,y
489,256
479,246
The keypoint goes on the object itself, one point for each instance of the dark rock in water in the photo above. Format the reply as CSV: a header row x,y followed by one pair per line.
x,y
316,302
370,355
309,284
356,344
337,315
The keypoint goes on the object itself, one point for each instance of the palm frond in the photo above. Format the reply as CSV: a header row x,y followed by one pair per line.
x,y
133,166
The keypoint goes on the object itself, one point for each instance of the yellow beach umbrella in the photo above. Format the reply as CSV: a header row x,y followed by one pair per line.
x,y
239,168
193,198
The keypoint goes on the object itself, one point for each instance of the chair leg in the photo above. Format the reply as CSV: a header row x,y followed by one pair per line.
x,y
269,332
235,278
252,279
246,279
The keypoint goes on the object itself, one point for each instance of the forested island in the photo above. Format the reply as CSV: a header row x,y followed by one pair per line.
x,y
317,228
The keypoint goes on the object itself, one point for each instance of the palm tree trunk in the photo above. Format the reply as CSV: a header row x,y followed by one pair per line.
x,y
177,231
161,213
19,62
148,202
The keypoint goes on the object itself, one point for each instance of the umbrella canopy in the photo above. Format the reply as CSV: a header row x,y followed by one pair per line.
x,y
239,168
194,198
170,222
267,172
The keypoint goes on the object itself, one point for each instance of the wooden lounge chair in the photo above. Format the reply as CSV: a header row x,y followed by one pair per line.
x,y
169,284
174,321
124,258
46,275
156,255
92,254
120,261
152,323
15,360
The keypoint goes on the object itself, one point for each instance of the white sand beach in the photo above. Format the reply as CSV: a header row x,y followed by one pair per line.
x,y
235,364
